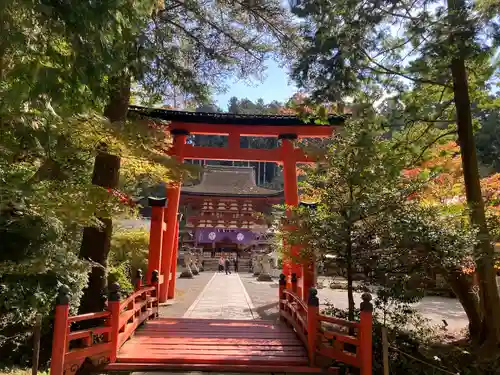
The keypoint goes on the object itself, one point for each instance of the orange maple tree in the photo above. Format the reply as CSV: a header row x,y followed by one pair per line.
x,y
446,185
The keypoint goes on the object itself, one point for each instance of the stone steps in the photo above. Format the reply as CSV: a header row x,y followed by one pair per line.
x,y
212,264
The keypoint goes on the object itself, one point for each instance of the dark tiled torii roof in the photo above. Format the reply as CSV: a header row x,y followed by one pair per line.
x,y
229,181
228,118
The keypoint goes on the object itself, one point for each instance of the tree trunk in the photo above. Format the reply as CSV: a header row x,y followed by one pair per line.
x,y
350,295
95,248
462,288
119,97
488,292
96,241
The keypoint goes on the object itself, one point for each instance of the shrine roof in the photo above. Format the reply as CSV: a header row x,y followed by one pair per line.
x,y
229,181
229,118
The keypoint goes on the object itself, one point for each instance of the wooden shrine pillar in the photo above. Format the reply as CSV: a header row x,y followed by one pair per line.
x,y
175,255
291,196
173,198
309,279
155,234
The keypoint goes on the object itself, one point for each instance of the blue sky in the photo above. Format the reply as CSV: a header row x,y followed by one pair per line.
x,y
275,86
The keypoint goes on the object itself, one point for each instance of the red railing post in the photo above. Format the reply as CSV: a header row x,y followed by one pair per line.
x,y
61,327
365,334
175,256
312,324
138,279
114,308
156,232
294,282
155,281
281,293
308,276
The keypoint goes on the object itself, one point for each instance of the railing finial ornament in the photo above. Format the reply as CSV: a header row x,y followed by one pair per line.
x,y
155,277
313,299
282,280
366,305
138,274
114,292
63,295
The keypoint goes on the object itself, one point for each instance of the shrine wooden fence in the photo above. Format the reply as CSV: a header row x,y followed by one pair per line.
x,y
72,345
338,340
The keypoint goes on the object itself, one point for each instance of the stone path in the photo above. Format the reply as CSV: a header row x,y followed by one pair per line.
x,y
264,296
220,296
186,292
224,297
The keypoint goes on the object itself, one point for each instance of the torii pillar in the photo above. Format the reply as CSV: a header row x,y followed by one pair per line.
x,y
155,235
291,197
173,198
175,255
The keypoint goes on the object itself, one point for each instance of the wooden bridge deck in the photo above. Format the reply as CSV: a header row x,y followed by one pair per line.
x,y
209,344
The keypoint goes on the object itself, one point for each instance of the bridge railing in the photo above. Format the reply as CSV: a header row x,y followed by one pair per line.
x,y
72,346
338,339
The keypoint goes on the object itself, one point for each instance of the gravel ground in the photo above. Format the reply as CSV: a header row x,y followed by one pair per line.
x,y
433,308
264,296
264,299
207,373
186,292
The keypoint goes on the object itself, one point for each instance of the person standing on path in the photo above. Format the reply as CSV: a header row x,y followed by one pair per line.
x,y
221,264
227,264
236,264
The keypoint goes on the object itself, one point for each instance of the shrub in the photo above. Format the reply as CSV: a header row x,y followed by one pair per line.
x,y
129,246
417,349
38,255
122,275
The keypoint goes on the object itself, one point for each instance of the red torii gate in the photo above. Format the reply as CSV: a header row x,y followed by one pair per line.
x,y
164,220
309,343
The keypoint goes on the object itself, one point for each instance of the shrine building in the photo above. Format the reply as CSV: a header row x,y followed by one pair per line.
x,y
228,212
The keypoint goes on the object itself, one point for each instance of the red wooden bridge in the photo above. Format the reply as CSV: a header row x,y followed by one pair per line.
x,y
130,336
133,338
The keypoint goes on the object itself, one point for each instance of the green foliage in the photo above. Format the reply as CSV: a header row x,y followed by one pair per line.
x,y
60,54
366,217
246,106
61,63
20,371
350,48
130,245
121,274
190,48
358,180
488,137
38,255
129,253
430,61
49,167
416,348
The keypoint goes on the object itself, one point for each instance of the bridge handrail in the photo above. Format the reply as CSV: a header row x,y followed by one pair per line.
x,y
120,320
327,335
293,297
338,321
89,316
294,310
137,293
138,307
